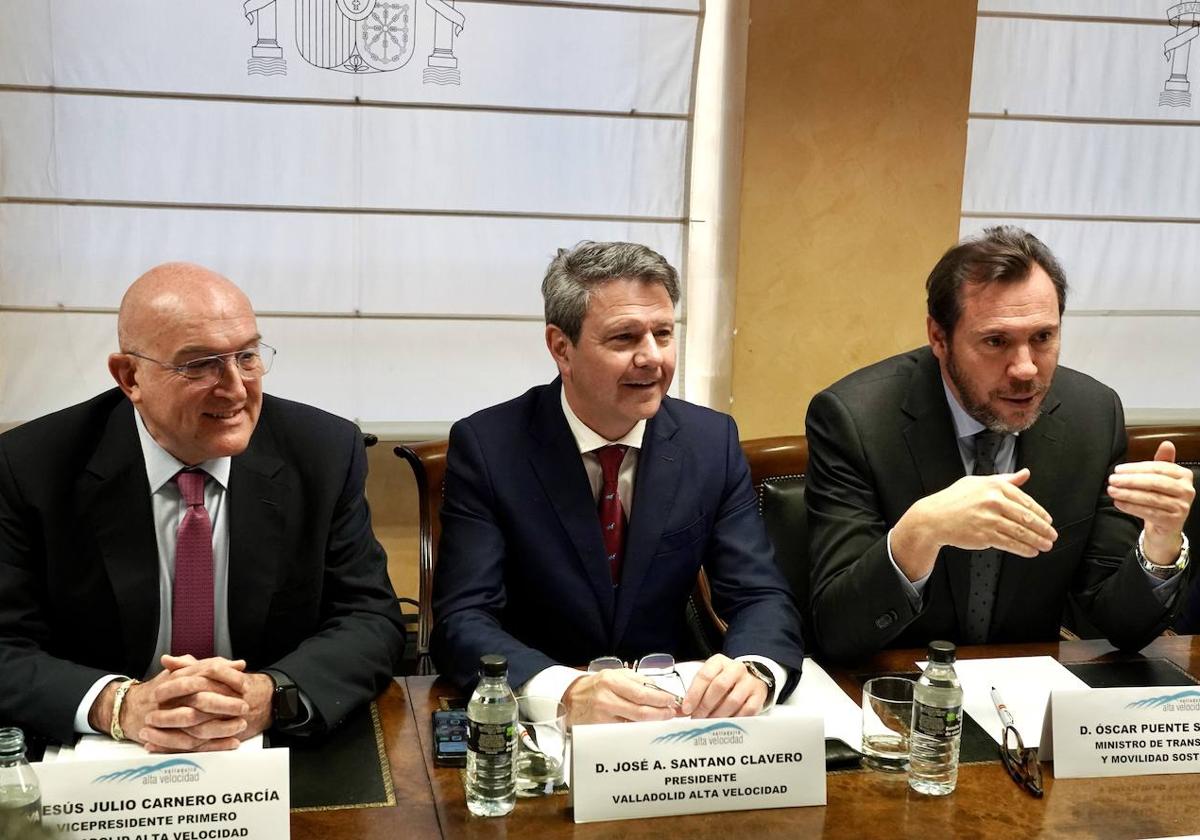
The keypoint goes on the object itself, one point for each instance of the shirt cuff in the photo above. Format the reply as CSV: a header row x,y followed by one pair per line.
x,y
85,705
777,671
914,589
1164,590
551,682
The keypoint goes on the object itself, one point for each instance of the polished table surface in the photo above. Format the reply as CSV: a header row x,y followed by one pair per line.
x,y
430,802
869,804
413,815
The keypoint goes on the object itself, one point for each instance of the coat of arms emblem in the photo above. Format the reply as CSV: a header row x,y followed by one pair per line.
x,y
355,36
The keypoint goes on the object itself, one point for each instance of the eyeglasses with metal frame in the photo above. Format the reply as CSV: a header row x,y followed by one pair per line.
x,y
251,363
658,668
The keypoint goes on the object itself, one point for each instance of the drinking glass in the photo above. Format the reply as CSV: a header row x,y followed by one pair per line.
x,y
541,745
886,722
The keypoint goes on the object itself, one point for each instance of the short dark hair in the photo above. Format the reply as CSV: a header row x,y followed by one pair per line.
x,y
1001,254
573,274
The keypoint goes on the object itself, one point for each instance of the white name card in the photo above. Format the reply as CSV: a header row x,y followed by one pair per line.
x,y
632,770
1126,731
192,796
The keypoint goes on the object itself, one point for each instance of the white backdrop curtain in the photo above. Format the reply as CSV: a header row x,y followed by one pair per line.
x,y
1084,128
390,227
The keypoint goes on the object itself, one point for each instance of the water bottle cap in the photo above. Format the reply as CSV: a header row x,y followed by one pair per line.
x,y
12,741
493,665
942,651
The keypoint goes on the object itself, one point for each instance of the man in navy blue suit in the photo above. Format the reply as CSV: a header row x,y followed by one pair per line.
x,y
577,516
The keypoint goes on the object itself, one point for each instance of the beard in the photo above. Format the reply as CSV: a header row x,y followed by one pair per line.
x,y
980,406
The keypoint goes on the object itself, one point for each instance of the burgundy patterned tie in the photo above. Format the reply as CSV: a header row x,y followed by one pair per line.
x,y
192,595
612,515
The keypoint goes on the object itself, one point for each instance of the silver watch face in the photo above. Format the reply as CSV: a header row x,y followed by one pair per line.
x,y
762,673
1164,572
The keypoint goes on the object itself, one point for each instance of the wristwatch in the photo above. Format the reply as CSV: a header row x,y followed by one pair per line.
x,y
762,672
1162,572
285,700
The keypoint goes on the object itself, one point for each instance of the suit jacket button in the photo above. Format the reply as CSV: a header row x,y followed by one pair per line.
x,y
886,620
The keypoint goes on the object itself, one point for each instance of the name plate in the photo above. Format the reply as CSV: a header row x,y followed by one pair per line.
x,y
657,769
1126,731
192,796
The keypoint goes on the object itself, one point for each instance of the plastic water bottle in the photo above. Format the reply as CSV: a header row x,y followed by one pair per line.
x,y
491,741
20,796
936,724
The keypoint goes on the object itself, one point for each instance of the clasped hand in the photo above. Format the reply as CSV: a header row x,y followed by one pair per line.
x,y
722,688
195,706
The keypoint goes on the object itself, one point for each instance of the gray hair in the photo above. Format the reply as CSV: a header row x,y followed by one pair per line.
x,y
573,274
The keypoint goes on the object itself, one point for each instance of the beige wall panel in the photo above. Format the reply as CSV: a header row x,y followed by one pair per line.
x,y
855,138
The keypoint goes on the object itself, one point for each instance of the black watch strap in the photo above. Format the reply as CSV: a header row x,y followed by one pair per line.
x,y
286,708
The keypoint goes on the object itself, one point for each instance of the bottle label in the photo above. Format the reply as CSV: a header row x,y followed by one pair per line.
x,y
937,721
491,738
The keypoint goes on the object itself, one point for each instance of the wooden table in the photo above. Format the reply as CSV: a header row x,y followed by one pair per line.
x,y
865,804
414,814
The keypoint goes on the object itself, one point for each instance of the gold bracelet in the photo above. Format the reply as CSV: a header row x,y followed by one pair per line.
x,y
114,728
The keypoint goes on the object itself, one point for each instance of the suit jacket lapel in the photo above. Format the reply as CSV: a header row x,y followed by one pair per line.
x,y
655,490
114,500
555,458
260,499
932,445
1037,448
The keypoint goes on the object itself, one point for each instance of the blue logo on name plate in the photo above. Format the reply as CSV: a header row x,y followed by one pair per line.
x,y
688,734
149,770
1163,699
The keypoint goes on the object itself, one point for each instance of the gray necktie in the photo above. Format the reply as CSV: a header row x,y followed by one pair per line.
x,y
985,565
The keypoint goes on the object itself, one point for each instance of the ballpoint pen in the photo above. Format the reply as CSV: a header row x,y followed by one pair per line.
x,y
1006,717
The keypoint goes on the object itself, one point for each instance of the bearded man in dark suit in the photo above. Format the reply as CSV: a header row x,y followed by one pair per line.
x,y
965,490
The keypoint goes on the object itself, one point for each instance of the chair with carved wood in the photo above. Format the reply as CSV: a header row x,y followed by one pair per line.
x,y
428,463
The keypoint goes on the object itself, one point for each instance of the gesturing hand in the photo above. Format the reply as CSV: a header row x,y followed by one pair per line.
x,y
1160,493
974,513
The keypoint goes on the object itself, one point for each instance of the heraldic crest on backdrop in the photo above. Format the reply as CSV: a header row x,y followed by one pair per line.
x,y
1185,17
339,195
355,36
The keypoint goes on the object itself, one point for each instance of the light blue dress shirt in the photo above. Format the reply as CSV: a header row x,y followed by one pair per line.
x,y
167,508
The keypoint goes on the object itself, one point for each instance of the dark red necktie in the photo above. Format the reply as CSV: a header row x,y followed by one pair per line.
x,y
192,594
612,515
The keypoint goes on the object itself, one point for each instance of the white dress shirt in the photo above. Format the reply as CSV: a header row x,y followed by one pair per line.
x,y
555,680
